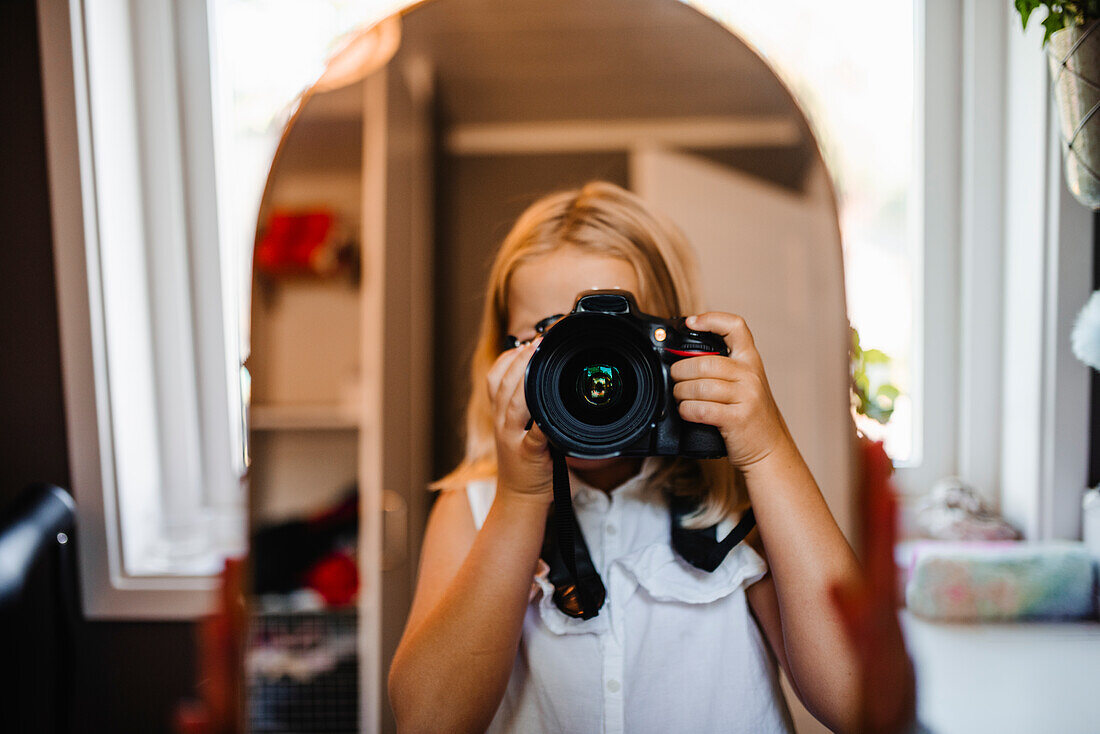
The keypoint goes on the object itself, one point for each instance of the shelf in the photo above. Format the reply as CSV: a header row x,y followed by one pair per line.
x,y
314,417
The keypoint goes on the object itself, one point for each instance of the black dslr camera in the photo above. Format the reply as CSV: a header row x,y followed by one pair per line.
x,y
599,383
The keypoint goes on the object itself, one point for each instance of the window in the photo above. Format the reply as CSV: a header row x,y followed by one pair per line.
x,y
157,160
857,86
152,416
964,217
264,54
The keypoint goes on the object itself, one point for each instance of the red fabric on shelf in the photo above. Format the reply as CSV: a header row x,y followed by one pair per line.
x,y
335,577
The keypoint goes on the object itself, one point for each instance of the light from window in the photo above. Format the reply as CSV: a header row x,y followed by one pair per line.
x,y
266,53
856,85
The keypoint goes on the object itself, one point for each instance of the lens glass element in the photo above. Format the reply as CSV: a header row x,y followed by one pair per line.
x,y
599,384
595,385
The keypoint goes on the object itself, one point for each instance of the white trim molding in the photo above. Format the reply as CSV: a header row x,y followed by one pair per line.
x,y
935,204
985,26
1048,243
587,136
149,404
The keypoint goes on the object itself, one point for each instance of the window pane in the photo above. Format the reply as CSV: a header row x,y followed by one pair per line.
x,y
855,81
265,53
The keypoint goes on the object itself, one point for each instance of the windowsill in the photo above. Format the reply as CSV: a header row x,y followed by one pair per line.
x,y
202,552
1026,676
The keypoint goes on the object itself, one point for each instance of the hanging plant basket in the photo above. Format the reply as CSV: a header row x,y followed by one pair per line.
x,y
1074,54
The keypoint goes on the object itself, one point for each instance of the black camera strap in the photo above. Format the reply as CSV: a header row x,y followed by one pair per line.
x,y
700,547
578,589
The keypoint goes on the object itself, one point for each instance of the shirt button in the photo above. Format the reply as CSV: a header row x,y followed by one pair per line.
x,y
613,685
611,530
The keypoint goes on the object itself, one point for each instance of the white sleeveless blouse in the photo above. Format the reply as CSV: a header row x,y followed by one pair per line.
x,y
673,649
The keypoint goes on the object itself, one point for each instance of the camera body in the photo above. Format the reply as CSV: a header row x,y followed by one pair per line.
x,y
599,384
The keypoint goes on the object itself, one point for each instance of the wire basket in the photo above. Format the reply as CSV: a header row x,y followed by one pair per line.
x,y
1074,55
303,672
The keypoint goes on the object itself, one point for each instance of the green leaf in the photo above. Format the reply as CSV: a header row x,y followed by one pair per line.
x,y
875,356
1025,8
887,391
878,414
1055,21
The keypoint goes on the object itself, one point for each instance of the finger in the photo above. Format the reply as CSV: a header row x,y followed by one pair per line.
x,y
702,411
499,369
513,376
516,412
535,440
709,389
712,366
731,327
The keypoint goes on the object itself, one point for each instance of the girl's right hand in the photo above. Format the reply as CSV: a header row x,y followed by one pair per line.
x,y
524,467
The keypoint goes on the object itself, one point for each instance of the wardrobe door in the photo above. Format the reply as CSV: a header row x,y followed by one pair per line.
x,y
396,344
772,255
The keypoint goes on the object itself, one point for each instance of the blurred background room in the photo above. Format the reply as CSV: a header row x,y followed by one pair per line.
x,y
244,249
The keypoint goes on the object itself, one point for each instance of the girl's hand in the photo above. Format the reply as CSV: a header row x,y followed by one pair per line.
x,y
524,467
731,393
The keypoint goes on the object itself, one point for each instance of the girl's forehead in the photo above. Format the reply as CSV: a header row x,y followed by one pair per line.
x,y
549,284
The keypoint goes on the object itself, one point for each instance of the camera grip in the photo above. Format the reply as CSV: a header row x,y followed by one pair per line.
x,y
700,441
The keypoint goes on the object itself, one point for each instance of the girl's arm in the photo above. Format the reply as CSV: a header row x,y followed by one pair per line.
x,y
452,665
807,553
807,556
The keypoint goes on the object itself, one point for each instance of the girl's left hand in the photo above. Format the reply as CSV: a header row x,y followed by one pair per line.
x,y
731,393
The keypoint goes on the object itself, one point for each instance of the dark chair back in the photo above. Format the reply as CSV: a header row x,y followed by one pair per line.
x,y
38,611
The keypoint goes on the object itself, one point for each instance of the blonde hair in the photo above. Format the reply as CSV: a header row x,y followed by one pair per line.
x,y
599,218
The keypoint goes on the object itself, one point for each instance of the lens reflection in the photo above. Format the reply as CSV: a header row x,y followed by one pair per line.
x,y
599,384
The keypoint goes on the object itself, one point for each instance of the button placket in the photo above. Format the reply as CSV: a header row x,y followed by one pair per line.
x,y
611,529
599,506
613,638
613,714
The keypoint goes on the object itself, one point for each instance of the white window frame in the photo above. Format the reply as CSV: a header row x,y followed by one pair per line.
x,y
133,198
935,214
1048,250
1006,263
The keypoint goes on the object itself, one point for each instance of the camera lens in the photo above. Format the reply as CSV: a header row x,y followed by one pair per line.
x,y
599,384
594,385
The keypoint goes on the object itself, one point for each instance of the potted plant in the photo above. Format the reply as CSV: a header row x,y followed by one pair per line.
x,y
1073,50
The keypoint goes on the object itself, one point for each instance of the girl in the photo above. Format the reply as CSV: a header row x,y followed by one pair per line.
x,y
673,648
